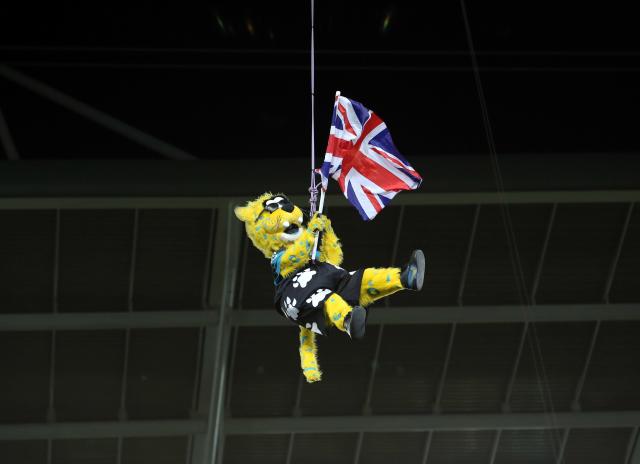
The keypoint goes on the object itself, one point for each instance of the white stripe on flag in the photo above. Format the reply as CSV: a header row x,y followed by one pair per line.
x,y
351,115
388,165
357,181
342,134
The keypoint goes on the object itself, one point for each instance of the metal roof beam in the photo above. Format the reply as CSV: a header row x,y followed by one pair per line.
x,y
633,448
114,429
6,140
269,318
415,199
322,424
99,117
108,320
430,422
207,447
467,314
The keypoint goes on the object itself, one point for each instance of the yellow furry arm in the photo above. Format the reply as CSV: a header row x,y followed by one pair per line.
x,y
330,247
297,254
308,356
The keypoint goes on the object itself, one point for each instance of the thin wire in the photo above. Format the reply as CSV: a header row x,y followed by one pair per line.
x,y
329,68
516,263
280,51
313,187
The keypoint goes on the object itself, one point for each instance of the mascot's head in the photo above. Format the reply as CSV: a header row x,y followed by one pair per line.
x,y
271,221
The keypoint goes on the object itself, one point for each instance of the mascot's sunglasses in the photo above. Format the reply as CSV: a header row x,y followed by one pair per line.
x,y
275,203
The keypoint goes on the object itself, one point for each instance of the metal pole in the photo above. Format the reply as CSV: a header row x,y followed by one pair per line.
x,y
95,115
6,139
543,254
616,258
472,236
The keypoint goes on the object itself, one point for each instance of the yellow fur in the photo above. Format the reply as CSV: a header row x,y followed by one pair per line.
x,y
308,356
264,231
335,309
378,283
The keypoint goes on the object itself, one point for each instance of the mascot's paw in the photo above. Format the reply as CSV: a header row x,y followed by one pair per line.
x,y
318,223
312,375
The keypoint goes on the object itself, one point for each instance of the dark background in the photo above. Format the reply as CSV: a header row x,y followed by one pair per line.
x,y
229,80
114,260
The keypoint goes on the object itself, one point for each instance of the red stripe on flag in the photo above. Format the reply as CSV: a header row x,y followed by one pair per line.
x,y
339,147
384,154
372,171
347,124
372,198
371,123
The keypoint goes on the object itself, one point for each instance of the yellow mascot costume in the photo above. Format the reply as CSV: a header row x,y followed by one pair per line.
x,y
317,293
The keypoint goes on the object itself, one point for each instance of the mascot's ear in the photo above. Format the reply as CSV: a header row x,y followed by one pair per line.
x,y
243,213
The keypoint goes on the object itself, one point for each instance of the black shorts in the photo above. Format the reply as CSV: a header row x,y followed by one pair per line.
x,y
301,296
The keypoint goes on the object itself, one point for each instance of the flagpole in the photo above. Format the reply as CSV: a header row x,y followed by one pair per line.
x,y
323,191
321,206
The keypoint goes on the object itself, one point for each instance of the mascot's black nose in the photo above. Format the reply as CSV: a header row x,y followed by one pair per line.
x,y
287,206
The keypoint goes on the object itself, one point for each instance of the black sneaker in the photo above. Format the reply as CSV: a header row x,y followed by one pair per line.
x,y
355,322
412,275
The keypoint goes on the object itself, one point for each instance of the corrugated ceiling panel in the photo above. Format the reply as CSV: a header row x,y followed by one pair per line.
x,y
491,278
95,260
581,248
161,373
528,446
461,447
255,284
481,362
409,368
597,446
258,449
88,374
171,257
625,286
27,241
613,379
266,371
323,448
23,452
346,366
154,450
86,451
382,448
442,232
25,364
554,377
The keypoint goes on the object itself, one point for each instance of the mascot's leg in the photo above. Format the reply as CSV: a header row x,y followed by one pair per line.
x,y
308,357
335,310
380,282
346,318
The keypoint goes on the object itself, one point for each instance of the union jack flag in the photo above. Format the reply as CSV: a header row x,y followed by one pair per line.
x,y
363,159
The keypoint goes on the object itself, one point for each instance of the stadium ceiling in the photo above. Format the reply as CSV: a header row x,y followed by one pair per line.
x,y
222,317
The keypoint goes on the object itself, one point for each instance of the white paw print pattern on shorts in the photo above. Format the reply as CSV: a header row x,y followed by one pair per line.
x,y
289,308
313,327
301,279
318,296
